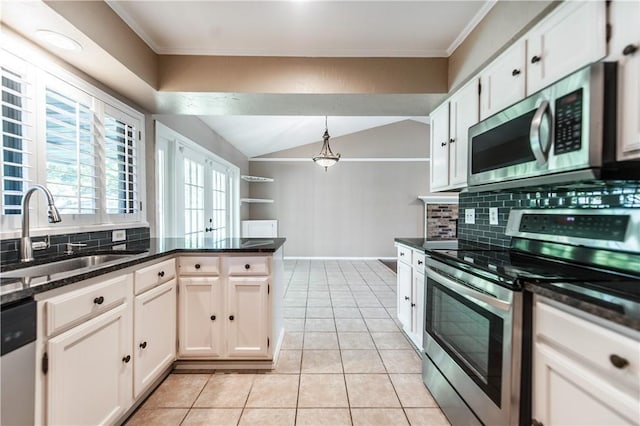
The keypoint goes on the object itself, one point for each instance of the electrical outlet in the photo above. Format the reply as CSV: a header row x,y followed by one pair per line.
x,y
119,247
470,216
120,235
493,215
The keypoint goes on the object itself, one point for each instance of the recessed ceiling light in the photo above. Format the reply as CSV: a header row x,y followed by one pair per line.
x,y
58,40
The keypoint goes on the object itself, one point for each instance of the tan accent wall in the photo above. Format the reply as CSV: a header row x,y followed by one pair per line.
x,y
100,23
504,23
302,75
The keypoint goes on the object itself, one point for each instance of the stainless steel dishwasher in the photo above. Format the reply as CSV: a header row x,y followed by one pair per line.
x,y
17,365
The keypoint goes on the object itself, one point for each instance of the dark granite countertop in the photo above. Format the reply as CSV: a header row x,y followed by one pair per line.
x,y
24,286
605,304
420,243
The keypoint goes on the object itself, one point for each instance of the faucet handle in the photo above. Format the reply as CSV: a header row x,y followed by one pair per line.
x,y
41,245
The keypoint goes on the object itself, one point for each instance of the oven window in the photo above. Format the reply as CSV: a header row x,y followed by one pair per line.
x,y
502,146
471,335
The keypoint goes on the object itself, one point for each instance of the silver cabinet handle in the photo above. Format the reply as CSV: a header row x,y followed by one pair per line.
x,y
540,133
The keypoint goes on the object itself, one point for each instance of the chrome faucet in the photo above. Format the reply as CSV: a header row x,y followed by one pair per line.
x,y
26,249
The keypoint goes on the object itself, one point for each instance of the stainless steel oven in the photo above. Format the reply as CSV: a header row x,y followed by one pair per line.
x,y
563,133
472,343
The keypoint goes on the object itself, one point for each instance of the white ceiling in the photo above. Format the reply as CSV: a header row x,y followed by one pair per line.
x,y
303,28
256,135
323,28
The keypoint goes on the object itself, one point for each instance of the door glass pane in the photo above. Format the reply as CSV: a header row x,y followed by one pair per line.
x,y
193,202
219,212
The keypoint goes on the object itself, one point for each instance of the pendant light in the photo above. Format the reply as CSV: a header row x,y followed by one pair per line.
x,y
326,158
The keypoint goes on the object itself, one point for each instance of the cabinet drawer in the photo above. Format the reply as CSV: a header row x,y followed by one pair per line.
x,y
599,346
418,261
248,265
154,275
85,303
199,265
404,254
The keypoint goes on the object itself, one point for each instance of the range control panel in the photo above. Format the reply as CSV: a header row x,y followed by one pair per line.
x,y
596,227
568,128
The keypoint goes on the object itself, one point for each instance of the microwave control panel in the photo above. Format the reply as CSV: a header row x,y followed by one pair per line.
x,y
568,125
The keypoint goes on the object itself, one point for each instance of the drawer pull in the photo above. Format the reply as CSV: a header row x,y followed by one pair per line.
x,y
213,317
98,300
161,274
413,305
231,317
629,49
197,266
126,359
515,72
443,144
401,254
406,298
452,140
143,345
247,266
535,59
618,361
419,262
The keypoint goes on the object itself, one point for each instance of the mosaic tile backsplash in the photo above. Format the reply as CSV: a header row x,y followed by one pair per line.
x,y
603,195
441,221
58,243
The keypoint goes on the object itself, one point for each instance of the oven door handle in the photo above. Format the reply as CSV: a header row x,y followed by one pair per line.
x,y
468,292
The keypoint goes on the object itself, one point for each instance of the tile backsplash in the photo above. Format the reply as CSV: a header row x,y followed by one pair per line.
x,y
440,221
93,240
603,195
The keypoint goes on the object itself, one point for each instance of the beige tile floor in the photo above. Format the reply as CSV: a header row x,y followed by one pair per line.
x,y
344,361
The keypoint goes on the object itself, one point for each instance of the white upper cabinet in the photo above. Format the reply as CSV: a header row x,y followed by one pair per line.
x,y
572,36
503,81
463,113
440,147
624,48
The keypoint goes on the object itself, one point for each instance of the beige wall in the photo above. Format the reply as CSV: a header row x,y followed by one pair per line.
x,y
355,209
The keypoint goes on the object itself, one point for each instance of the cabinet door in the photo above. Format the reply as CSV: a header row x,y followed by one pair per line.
x,y
90,371
418,308
567,393
440,147
154,334
463,113
503,81
201,316
404,280
248,316
625,48
572,36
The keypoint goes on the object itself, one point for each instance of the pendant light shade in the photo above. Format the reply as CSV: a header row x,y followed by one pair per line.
x,y
326,158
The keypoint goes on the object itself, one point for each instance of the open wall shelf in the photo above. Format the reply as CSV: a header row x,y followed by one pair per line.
x,y
255,200
256,178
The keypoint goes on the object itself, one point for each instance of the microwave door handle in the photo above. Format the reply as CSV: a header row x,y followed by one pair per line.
x,y
540,133
468,292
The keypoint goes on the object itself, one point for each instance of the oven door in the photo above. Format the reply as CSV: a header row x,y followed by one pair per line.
x,y
469,336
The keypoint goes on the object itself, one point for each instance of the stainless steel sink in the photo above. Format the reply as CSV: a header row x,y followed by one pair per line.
x,y
53,269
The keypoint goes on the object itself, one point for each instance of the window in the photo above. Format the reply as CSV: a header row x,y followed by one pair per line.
x,y
16,135
79,142
193,201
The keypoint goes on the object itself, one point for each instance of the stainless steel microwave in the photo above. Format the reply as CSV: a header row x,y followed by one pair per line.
x,y
563,133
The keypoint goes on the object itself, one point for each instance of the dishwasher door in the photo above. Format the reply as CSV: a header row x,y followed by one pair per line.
x,y
18,363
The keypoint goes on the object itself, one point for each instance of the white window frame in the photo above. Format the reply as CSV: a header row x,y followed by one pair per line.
x,y
41,73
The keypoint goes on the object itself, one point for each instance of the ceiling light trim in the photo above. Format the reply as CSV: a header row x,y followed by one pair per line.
x,y
471,25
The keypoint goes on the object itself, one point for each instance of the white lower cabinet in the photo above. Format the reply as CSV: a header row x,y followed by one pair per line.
x,y
410,293
154,341
90,371
248,317
584,373
201,316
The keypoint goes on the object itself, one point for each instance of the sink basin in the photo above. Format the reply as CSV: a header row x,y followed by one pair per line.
x,y
62,266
